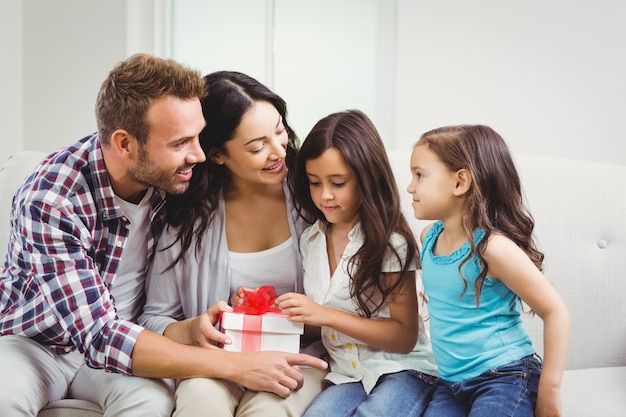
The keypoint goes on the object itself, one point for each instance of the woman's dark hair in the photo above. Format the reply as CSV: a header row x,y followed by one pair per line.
x,y
494,201
355,136
229,95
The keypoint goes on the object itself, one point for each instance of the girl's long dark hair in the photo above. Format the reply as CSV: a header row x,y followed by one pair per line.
x,y
229,95
354,135
494,201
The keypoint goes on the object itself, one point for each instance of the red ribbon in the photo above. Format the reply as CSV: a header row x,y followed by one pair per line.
x,y
259,301
255,303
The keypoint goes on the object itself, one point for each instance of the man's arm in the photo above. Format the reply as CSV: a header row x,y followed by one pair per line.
x,y
156,356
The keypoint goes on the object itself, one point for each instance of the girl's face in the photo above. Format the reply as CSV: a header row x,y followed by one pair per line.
x,y
257,151
334,188
432,185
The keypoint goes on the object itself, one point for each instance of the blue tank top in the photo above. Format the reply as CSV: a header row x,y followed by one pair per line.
x,y
468,341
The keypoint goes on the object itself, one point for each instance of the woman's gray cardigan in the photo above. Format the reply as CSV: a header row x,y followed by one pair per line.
x,y
198,281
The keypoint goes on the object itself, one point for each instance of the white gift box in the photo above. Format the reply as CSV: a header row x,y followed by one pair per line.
x,y
269,331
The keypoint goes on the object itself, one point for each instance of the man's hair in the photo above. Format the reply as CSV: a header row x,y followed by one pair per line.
x,y
132,85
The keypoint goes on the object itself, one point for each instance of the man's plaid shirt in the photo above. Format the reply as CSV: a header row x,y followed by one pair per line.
x,y
67,237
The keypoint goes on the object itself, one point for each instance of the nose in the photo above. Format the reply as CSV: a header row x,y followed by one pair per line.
x,y
327,193
196,154
411,187
278,148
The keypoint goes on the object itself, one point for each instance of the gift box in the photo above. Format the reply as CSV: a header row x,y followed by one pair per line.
x,y
268,331
259,325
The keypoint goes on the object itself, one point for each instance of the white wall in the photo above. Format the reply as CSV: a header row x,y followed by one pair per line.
x,y
301,49
60,52
68,48
549,76
11,139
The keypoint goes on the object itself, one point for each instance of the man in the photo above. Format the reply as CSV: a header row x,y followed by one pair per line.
x,y
83,230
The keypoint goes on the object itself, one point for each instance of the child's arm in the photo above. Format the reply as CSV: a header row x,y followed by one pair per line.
x,y
396,334
512,266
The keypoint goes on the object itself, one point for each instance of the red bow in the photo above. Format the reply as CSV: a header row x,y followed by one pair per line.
x,y
257,302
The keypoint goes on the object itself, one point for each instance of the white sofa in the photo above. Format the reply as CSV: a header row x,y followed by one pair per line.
x,y
580,213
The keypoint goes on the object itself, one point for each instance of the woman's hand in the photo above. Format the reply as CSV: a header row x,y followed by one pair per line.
x,y
200,330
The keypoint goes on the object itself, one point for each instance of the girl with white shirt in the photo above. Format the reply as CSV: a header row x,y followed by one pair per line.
x,y
359,259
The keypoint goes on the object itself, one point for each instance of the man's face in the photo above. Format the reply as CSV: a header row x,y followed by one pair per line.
x,y
172,149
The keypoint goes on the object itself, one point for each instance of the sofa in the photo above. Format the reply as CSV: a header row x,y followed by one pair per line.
x,y
580,213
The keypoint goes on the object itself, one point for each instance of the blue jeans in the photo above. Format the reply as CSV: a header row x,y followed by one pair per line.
x,y
508,391
401,394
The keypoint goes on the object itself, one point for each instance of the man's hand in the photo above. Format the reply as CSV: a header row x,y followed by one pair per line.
x,y
275,372
156,356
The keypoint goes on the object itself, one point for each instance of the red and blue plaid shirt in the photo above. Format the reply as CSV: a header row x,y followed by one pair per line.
x,y
67,238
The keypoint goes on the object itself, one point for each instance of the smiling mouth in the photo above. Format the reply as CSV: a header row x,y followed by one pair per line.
x,y
185,172
275,166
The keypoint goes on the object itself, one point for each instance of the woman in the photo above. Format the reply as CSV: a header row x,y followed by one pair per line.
x,y
234,228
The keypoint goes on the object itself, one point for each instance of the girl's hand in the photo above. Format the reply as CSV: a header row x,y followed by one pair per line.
x,y
548,403
236,299
301,309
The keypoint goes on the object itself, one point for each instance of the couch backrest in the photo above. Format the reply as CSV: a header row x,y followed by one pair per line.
x,y
580,215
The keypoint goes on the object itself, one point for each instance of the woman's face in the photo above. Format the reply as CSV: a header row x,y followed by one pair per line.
x,y
256,153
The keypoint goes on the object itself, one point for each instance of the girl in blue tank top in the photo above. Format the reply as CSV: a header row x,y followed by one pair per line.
x,y
478,260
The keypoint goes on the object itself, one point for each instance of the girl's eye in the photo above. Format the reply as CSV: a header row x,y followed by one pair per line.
x,y
339,184
257,150
313,183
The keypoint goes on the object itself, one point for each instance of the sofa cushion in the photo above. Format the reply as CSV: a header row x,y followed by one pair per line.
x,y
594,392
71,408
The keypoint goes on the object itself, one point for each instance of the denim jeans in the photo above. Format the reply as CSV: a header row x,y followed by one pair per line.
x,y
507,391
401,394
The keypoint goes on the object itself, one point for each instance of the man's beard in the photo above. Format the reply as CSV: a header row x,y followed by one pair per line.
x,y
149,173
